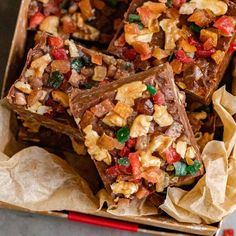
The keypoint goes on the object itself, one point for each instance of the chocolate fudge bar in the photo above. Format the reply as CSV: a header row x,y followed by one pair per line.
x,y
138,134
195,36
92,20
54,69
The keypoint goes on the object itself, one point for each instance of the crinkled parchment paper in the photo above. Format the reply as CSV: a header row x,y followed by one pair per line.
x,y
38,180
214,196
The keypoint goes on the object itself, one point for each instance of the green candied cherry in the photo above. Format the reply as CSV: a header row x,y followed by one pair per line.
x,y
124,161
180,168
123,134
193,169
55,79
152,90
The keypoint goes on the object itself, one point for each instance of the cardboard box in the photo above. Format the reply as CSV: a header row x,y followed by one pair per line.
x,y
158,225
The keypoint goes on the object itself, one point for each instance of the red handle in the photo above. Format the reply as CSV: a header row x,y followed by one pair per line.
x,y
115,224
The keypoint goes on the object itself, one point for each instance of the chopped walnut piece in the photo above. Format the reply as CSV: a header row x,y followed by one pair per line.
x,y
162,117
97,153
140,126
172,32
129,92
125,188
20,99
218,7
160,143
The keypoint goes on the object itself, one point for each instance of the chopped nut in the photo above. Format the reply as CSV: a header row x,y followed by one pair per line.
x,y
50,24
160,143
60,97
34,107
109,143
100,73
74,52
190,153
34,96
163,182
125,188
99,154
172,32
140,126
20,99
181,148
202,115
123,110
129,92
78,147
162,117
40,64
113,119
44,1
218,7
23,87
147,159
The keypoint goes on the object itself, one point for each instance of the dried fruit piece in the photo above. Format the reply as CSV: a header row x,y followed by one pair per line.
x,y
55,80
60,65
113,119
207,34
60,97
100,73
123,110
50,25
144,106
108,143
218,56
102,108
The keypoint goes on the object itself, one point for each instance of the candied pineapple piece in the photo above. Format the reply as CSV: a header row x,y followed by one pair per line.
x,y
129,92
125,188
100,73
140,126
113,119
162,117
218,7
218,56
109,143
60,97
99,154
207,34
123,110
